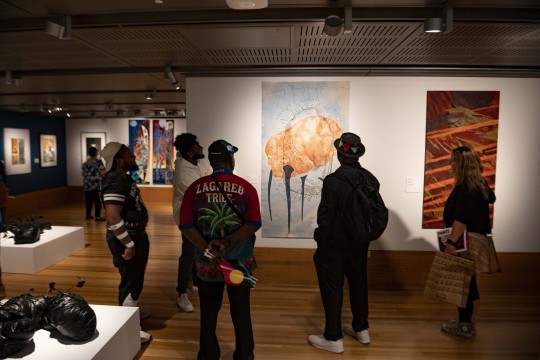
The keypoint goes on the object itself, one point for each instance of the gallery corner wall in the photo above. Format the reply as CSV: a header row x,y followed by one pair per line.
x,y
39,178
389,113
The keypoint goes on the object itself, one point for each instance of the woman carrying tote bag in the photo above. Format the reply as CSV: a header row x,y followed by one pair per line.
x,y
467,209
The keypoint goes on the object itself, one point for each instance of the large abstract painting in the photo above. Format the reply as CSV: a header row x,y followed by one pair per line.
x,y
163,154
139,144
456,118
300,122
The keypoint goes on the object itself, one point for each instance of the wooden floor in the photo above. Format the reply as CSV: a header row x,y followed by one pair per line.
x,y
285,310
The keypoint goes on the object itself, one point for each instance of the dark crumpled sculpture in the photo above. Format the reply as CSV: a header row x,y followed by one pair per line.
x,y
22,316
71,315
27,233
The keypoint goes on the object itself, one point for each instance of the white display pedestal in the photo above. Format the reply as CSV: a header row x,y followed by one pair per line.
x,y
116,338
54,245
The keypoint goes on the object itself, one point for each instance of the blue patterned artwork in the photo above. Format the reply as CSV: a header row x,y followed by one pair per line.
x,y
300,122
163,154
139,144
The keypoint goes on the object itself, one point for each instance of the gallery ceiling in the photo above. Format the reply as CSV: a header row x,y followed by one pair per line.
x,y
118,50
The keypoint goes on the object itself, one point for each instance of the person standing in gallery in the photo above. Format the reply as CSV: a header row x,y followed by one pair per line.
x,y
213,226
126,216
92,172
338,255
189,166
467,209
4,193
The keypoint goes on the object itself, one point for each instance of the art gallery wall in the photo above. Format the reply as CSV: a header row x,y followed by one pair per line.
x,y
389,114
38,178
116,129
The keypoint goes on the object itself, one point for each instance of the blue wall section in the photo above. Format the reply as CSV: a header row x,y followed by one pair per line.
x,y
39,178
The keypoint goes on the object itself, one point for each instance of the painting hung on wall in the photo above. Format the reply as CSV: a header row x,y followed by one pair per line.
x,y
92,139
17,151
163,154
300,121
48,150
139,144
456,118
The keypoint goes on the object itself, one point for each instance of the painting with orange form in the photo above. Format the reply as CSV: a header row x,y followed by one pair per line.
x,y
456,118
301,120
163,151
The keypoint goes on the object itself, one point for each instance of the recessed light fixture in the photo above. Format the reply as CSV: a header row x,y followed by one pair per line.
x,y
247,4
158,1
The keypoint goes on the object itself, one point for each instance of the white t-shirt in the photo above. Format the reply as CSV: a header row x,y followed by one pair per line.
x,y
186,173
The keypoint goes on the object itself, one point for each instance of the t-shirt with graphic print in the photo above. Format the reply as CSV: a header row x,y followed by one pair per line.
x,y
205,208
120,189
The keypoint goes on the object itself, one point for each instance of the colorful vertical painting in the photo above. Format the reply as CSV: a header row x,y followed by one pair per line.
x,y
139,144
17,151
163,154
456,118
300,121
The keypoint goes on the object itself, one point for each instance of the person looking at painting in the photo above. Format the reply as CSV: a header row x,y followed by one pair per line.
x,y
92,172
218,230
467,209
188,167
337,255
126,217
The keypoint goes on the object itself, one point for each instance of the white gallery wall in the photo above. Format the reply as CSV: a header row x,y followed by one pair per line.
x,y
389,114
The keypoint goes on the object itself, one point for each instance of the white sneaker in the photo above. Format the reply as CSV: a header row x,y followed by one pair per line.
x,y
143,312
194,288
145,337
361,336
320,342
184,304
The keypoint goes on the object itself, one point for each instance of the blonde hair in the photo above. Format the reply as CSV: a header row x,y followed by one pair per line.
x,y
467,169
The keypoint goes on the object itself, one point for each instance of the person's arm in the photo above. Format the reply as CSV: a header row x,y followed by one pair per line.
x,y
458,228
326,212
115,224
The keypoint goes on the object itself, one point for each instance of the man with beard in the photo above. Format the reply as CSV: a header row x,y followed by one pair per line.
x,y
126,217
188,167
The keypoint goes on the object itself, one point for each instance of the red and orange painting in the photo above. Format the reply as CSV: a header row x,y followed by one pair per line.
x,y
456,118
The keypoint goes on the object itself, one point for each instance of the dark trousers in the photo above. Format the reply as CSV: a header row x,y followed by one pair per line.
x,y
332,266
465,314
131,271
92,199
211,297
186,267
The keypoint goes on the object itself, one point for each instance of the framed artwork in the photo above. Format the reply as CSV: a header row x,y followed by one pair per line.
x,y
163,154
92,139
139,144
48,150
17,151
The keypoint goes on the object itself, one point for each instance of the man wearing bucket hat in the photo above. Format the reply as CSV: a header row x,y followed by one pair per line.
x,y
222,228
337,255
126,217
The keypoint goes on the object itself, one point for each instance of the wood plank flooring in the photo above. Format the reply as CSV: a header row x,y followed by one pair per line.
x,y
285,309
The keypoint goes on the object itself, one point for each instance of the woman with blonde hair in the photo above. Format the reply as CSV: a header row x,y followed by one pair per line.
x,y
467,209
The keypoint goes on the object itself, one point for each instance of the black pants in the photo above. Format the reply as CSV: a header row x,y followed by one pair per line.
x,y
92,199
465,314
211,297
186,266
131,271
332,266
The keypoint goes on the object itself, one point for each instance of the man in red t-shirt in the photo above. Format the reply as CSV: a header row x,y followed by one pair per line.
x,y
226,230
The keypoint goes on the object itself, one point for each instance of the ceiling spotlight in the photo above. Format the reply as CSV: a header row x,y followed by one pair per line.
x,y
334,24
247,4
119,112
68,114
9,78
151,95
169,74
61,30
440,24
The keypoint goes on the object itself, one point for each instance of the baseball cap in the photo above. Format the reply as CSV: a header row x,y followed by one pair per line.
x,y
108,153
221,149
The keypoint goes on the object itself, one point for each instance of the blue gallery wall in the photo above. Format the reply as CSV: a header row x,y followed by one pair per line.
x,y
39,178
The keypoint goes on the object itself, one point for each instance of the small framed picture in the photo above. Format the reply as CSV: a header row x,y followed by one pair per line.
x,y
48,150
92,139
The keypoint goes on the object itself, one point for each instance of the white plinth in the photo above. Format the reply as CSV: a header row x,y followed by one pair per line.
x,y
54,245
117,338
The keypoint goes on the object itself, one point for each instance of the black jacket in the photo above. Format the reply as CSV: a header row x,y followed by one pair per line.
x,y
335,191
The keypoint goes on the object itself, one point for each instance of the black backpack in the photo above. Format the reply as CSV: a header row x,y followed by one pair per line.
x,y
365,214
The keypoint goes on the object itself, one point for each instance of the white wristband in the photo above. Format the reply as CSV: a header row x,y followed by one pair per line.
x,y
122,235
130,244
116,226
